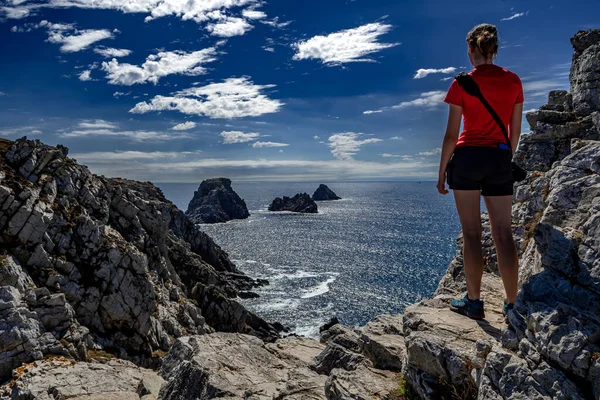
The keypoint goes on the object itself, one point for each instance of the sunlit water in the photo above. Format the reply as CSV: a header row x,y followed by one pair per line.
x,y
384,246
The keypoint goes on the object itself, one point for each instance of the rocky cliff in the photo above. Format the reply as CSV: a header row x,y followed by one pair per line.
x,y
215,201
90,263
549,350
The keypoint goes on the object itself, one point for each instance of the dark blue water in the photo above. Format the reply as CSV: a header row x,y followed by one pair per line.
x,y
384,246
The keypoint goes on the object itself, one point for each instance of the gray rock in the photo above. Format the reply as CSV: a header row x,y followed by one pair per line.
x,y
238,366
585,71
364,383
323,193
215,201
61,378
301,203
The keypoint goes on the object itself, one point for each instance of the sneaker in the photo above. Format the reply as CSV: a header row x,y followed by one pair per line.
x,y
507,307
470,308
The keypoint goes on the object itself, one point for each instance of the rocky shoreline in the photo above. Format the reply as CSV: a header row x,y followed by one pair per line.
x,y
97,270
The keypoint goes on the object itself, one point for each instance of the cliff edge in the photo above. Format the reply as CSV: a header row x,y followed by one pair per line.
x,y
95,264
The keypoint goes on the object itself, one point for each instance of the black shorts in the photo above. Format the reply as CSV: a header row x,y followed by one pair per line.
x,y
481,168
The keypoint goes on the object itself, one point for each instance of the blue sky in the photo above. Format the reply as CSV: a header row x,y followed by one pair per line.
x,y
174,91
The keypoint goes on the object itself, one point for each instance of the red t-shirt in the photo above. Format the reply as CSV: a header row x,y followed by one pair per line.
x,y
502,89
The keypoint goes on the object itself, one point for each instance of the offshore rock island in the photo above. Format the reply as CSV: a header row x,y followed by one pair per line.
x,y
300,203
215,201
323,193
108,291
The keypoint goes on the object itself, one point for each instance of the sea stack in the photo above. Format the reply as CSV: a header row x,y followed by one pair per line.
x,y
215,201
301,203
324,193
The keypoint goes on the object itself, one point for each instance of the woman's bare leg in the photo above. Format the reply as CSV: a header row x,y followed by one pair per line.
x,y
467,204
500,210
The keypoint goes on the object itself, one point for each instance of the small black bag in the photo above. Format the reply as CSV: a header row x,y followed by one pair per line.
x,y
470,86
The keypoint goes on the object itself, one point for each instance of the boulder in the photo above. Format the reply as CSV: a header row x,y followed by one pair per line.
x,y
301,203
324,193
215,201
237,366
62,378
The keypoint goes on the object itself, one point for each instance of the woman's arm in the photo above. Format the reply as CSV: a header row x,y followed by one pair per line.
x,y
449,144
515,126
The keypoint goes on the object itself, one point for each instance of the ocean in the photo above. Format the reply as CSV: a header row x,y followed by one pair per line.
x,y
384,246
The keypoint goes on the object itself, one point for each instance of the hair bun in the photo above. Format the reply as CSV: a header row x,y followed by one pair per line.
x,y
485,38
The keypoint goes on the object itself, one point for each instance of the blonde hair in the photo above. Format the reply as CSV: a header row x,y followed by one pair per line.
x,y
485,38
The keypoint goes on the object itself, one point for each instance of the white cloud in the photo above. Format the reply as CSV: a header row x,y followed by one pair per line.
x,y
515,15
316,137
345,145
102,156
96,124
184,126
388,155
233,98
269,49
232,137
85,76
159,65
229,27
119,94
78,41
276,24
198,11
172,170
396,138
2,94
433,152
109,52
427,100
138,136
19,131
423,72
253,14
447,79
71,39
541,87
351,45
259,144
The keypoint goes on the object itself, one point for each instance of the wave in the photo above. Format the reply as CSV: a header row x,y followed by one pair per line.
x,y
320,289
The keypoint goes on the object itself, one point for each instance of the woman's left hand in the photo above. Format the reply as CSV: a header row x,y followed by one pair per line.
x,y
441,185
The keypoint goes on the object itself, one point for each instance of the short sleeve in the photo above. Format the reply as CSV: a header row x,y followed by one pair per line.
x,y
455,94
520,98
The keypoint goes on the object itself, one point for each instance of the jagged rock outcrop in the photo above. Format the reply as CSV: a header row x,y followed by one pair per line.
x,y
362,363
215,201
323,193
301,203
552,347
88,262
62,378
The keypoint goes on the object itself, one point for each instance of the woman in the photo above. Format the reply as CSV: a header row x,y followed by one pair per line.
x,y
481,165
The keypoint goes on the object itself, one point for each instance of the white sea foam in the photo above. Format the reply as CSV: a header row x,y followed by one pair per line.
x,y
311,331
320,289
285,304
295,275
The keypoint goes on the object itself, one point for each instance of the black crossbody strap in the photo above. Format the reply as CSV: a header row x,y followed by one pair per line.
x,y
470,86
